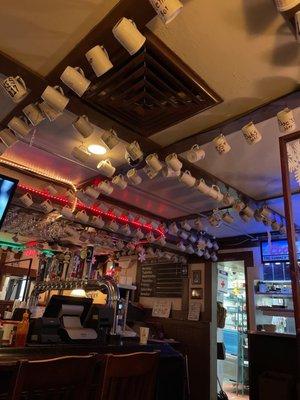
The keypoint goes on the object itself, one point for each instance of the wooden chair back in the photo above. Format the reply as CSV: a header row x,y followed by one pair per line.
x,y
130,376
63,378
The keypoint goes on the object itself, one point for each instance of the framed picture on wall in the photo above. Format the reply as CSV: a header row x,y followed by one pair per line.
x,y
197,293
196,277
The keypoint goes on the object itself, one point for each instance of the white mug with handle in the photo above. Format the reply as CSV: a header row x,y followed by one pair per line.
x,y
126,32
74,78
15,88
173,162
187,178
54,96
195,154
33,114
153,162
106,168
83,126
134,177
99,60
26,199
19,126
50,113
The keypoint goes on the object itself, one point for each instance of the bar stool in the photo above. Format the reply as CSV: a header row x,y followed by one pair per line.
x,y
130,376
59,378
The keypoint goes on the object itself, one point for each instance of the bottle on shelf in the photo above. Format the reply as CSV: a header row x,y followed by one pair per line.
x,y
22,331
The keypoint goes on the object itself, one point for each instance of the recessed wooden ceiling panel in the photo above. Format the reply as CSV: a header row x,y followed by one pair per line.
x,y
151,91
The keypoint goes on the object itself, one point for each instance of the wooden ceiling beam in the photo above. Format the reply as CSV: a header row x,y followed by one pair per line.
x,y
231,125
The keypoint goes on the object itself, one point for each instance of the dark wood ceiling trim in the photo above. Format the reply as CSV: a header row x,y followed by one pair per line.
x,y
258,114
140,11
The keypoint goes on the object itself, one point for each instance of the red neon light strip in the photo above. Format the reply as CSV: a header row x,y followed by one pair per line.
x,y
94,210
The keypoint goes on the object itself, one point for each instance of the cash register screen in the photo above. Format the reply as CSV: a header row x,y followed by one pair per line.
x,y
53,309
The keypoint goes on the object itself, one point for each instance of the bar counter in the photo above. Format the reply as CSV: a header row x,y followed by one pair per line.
x,y
170,377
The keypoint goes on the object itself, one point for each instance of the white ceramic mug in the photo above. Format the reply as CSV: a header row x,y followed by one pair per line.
x,y
198,224
202,186
251,133
173,162
49,112
239,205
169,172
99,60
265,212
126,230
139,234
55,98
161,241
214,257
98,221
113,225
275,225
181,246
187,178
92,192
67,212
154,224
167,9
195,154
228,200
201,243
227,217
221,144
81,153
150,237
83,126
215,193
126,32
105,187
144,335
106,168
185,225
134,177
190,249
70,231
119,180
74,78
51,189
248,211
82,216
244,216
257,216
85,199
150,172
153,162
184,235
46,206
110,138
134,151
193,238
15,88
26,199
19,126
33,114
8,137
173,228
214,220
286,121
284,5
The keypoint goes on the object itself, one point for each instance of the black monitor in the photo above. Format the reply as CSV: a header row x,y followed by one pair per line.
x,y
55,304
7,189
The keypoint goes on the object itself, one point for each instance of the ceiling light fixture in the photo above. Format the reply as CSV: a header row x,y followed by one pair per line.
x,y
97,149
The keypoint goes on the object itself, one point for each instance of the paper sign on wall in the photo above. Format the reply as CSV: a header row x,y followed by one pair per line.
x,y
161,308
222,281
194,310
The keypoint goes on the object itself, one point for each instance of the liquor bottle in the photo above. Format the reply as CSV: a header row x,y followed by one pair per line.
x,y
22,331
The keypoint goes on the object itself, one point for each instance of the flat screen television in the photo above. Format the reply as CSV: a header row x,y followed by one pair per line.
x,y
7,189
276,251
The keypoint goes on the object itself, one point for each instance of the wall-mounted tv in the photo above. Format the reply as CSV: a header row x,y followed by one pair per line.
x,y
7,189
276,251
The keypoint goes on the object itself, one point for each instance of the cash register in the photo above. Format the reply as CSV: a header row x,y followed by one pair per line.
x,y
63,320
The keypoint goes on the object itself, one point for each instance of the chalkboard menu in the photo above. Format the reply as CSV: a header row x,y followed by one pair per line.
x,y
161,280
